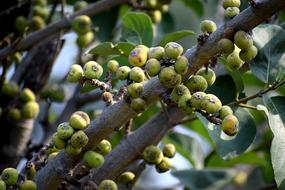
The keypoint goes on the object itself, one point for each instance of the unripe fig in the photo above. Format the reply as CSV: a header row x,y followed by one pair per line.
x,y
155,16
79,5
79,139
179,91
230,125
126,178
138,57
181,65
226,46
2,185
40,11
156,52
240,179
27,95
151,3
231,3
28,185
84,40
30,110
172,50
71,151
10,176
107,185
136,74
225,111
243,40
17,57
58,142
21,24
52,155
81,24
14,114
208,26
37,23
152,155
138,105
185,104
31,171
104,147
208,74
92,70
10,88
168,77
75,73
163,8
196,83
211,103
196,99
231,12
135,90
234,61
152,67
93,159
56,93
41,3
113,65
143,47
123,72
169,150
164,165
248,54
79,120
64,131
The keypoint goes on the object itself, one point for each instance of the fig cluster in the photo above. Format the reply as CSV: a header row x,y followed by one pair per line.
x,y
231,8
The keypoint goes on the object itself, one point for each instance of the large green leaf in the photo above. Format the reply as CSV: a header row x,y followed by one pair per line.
x,y
174,36
108,48
137,28
195,5
277,106
204,179
270,61
230,148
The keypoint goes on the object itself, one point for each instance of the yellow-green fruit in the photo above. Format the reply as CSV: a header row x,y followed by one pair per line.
x,y
152,155
104,147
163,8
142,46
151,3
248,54
123,72
226,46
164,165
196,83
10,88
169,150
196,99
243,40
185,104
225,111
208,74
138,57
113,65
64,131
37,23
107,185
179,91
56,93
241,178
85,39
75,73
40,11
40,2
14,114
21,24
30,110
137,74
52,155
92,70
234,61
152,67
17,57
93,159
28,185
71,151
31,171
81,24
208,26
10,176
168,77
2,185
27,95
211,103
57,142
230,125
156,52
135,90
155,16
79,139
231,3
172,50
138,105
79,5
126,178
231,12
181,65
79,120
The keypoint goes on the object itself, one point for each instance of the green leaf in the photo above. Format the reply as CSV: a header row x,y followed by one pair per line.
x,y
108,48
195,5
137,28
270,42
204,179
230,148
277,106
236,76
174,36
